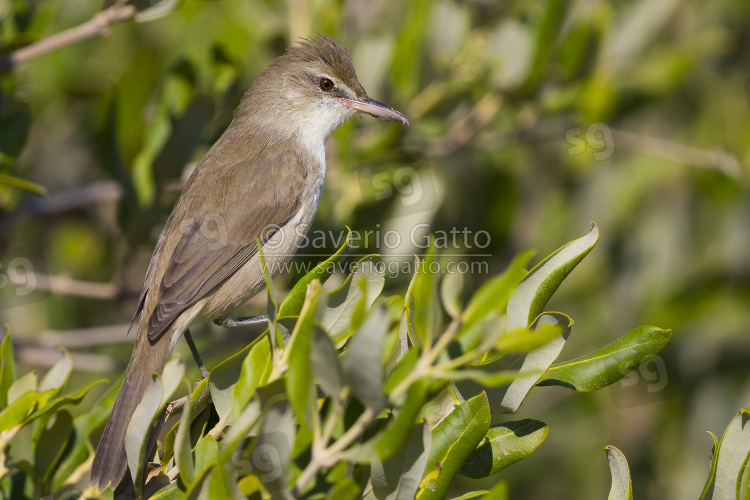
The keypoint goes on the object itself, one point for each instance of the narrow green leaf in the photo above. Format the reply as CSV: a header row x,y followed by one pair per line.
x,y
299,384
453,441
198,400
292,303
326,367
156,10
256,368
8,373
531,295
363,285
398,478
504,445
182,447
45,406
471,494
712,469
362,360
621,489
610,363
23,184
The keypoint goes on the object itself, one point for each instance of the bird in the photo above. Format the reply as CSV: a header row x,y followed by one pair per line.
x,y
260,182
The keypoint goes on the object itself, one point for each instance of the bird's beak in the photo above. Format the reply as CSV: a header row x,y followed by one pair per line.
x,y
374,108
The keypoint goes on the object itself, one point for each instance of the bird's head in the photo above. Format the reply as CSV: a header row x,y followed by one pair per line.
x,y
313,89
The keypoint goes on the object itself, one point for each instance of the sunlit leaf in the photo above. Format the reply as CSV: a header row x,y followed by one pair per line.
x,y
733,448
529,298
610,363
622,488
504,445
292,303
453,441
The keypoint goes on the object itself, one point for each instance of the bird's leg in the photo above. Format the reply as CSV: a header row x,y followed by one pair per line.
x,y
196,356
229,321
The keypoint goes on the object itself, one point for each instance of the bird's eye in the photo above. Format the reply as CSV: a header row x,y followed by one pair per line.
x,y
326,84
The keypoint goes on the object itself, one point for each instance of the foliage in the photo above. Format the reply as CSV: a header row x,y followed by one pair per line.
x,y
316,408
528,118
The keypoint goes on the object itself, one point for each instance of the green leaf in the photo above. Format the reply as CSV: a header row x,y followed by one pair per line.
x,y
272,454
182,447
46,406
23,184
507,398
610,363
50,447
326,367
16,413
537,361
386,443
453,441
398,478
362,367
256,368
471,494
361,288
137,436
504,445
56,377
197,402
622,488
299,384
422,301
733,448
206,455
8,373
24,384
712,470
450,294
743,484
222,380
293,302
531,295
83,425
494,293
346,489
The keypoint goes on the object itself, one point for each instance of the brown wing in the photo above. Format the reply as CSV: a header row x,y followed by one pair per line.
x,y
223,211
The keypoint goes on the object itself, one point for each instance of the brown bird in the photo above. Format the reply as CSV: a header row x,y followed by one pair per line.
x,y
261,180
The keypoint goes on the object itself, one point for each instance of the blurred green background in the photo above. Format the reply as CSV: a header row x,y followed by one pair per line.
x,y
528,120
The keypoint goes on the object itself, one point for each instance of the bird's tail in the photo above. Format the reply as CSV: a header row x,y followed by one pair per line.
x,y
110,462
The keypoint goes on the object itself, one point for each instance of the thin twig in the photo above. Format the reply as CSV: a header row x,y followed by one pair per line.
x,y
97,26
